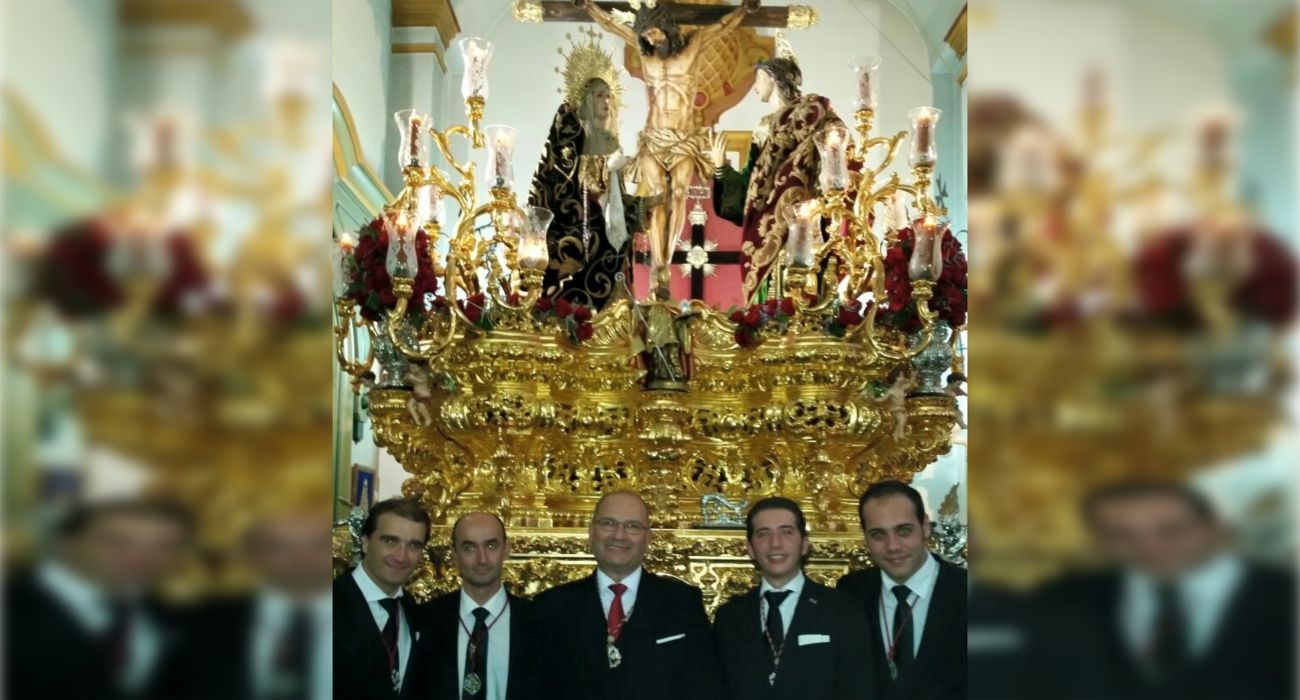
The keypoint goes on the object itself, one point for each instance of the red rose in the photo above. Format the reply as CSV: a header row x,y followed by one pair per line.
x,y
544,304
563,308
473,313
737,316
848,317
582,313
584,331
787,306
770,307
752,317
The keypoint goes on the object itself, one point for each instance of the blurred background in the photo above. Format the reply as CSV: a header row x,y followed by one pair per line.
x,y
167,402
1132,207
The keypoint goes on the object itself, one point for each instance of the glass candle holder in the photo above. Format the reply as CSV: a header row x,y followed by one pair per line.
x,y
477,53
429,205
801,238
532,238
401,260
832,143
865,78
922,151
926,262
343,266
413,148
501,154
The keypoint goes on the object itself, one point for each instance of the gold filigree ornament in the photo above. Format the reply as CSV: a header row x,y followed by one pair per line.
x,y
802,17
527,11
585,61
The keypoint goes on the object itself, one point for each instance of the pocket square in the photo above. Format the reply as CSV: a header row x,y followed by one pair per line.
x,y
806,639
673,638
417,635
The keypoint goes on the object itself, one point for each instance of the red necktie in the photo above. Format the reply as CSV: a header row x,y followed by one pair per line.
x,y
616,610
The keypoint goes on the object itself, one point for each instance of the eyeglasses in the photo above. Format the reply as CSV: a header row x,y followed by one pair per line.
x,y
609,525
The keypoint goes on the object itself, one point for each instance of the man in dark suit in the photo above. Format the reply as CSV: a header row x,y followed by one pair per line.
x,y
376,633
85,622
274,643
1176,614
916,602
790,637
490,629
623,633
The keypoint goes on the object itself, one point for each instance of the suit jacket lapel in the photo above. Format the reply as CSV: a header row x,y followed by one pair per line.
x,y
636,640
447,672
938,619
367,632
517,648
807,620
591,630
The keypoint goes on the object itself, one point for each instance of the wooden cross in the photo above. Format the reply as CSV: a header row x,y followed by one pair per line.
x,y
693,15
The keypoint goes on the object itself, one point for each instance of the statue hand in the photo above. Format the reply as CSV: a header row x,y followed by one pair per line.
x,y
719,150
618,161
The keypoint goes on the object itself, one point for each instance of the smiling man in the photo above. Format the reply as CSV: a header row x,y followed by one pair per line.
x,y
916,601
623,632
790,637
489,628
376,633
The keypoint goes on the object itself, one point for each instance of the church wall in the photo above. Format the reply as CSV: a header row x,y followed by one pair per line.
x,y
360,58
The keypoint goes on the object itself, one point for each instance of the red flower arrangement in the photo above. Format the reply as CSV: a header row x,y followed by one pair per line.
x,y
949,299
72,272
475,309
751,320
575,318
847,315
186,278
370,286
1266,292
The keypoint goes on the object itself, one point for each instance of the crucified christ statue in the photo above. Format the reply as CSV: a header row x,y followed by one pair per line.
x,y
672,148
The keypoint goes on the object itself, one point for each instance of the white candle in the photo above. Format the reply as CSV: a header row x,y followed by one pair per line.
x,y
835,166
923,122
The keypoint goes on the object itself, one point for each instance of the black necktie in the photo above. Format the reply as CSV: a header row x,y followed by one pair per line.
x,y
902,628
394,654
775,626
292,657
476,654
1169,643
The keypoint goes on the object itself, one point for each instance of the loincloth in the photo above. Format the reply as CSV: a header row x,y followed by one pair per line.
x,y
664,149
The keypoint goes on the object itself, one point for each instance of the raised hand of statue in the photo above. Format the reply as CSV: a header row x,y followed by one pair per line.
x,y
718,152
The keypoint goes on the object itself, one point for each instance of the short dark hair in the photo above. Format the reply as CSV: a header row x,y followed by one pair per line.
x,y
83,515
775,503
885,489
494,515
407,508
660,17
1194,500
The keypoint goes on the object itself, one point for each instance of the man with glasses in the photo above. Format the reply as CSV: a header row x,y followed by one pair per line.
x,y
623,632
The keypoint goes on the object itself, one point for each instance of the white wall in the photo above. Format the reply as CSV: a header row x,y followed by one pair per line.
x,y
359,55
67,83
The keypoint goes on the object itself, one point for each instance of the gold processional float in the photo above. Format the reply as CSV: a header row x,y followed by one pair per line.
x,y
1099,364
495,402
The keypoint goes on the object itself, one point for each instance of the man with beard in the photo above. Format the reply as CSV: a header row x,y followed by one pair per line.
x,y
489,628
672,150
623,633
376,634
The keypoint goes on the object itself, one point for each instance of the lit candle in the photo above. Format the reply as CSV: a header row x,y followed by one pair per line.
x,y
401,260
923,121
342,264
831,143
926,262
799,244
532,238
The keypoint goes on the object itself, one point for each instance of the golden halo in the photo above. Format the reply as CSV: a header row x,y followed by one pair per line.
x,y
587,59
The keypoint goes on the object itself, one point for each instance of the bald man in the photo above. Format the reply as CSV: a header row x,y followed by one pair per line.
x,y
623,633
490,629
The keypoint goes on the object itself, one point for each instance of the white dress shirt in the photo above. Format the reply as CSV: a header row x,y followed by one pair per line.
x,y
1204,594
632,581
498,651
922,586
272,614
795,586
373,594
90,607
